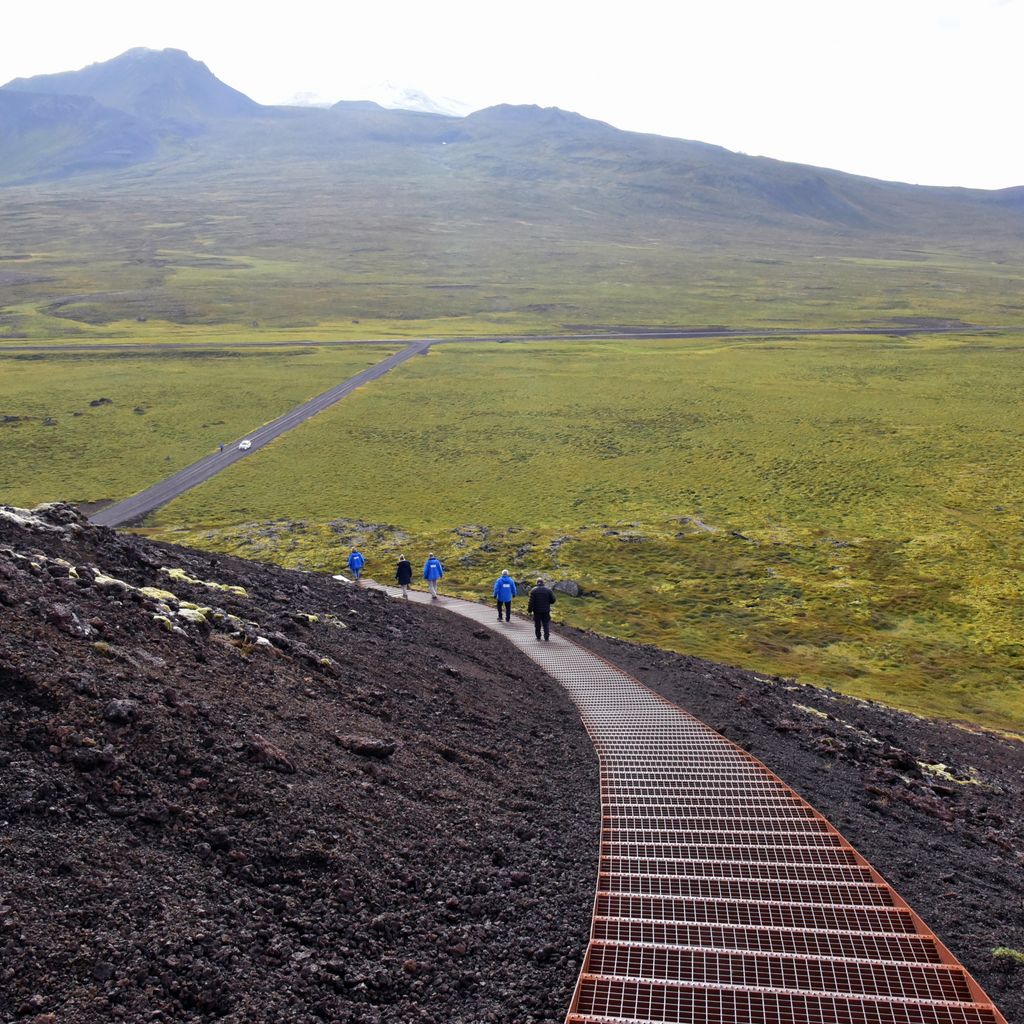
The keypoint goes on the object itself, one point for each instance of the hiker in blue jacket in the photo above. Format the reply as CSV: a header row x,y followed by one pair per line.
x,y
504,591
356,563
433,570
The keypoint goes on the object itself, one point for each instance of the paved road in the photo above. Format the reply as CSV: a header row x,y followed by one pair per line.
x,y
612,334
138,505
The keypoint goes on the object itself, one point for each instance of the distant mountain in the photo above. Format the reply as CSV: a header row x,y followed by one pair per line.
x,y
169,116
152,84
398,97
1013,197
62,136
388,97
308,99
530,119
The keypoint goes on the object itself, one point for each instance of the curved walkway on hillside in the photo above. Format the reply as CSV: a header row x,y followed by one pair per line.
x,y
722,896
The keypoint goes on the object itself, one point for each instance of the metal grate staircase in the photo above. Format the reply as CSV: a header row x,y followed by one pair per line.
x,y
722,896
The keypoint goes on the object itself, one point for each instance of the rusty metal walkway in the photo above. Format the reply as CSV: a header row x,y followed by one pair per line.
x,y
722,896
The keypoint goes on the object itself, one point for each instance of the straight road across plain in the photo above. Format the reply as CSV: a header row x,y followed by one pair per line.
x,y
139,505
667,333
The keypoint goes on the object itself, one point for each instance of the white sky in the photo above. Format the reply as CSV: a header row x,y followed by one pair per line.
x,y
927,91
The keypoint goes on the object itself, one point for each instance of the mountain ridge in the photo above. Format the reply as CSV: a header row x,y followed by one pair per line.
x,y
58,136
174,91
550,215
147,83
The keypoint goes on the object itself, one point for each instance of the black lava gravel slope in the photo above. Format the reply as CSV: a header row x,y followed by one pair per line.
x,y
283,801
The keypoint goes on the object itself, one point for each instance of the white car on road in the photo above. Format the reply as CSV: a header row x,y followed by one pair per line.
x,y
245,445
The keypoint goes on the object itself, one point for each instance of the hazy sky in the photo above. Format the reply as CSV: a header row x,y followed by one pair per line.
x,y
926,91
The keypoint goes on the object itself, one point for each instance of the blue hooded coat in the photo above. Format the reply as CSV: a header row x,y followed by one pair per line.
x,y
504,587
356,561
433,569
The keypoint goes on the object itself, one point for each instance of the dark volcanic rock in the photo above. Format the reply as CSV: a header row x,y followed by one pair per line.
x,y
120,711
186,810
269,755
185,839
368,746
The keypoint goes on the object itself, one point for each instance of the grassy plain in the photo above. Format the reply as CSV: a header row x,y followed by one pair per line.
x,y
874,483
319,255
848,510
165,409
517,291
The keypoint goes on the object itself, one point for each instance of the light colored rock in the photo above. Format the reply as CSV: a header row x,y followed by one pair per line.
x,y
183,577
105,582
569,587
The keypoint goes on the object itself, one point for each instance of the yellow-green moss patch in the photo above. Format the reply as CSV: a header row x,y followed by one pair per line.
x,y
183,577
943,771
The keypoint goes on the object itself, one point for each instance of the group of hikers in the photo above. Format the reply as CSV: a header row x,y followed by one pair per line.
x,y
541,599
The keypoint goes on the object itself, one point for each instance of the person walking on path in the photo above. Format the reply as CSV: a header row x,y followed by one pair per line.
x,y
403,573
356,563
504,591
539,606
433,570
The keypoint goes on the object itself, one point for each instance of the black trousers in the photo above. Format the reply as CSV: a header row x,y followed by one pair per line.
x,y
542,620
507,605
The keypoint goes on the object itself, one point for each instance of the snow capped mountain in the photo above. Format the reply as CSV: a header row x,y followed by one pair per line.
x,y
390,96
399,97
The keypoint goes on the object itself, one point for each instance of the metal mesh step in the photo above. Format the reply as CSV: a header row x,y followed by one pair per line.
x,y
607,1000
766,971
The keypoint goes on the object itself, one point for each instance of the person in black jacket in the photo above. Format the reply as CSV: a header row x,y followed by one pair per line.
x,y
541,600
404,575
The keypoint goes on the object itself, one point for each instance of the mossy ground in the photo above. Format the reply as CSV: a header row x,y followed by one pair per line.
x,y
876,482
377,268
848,510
